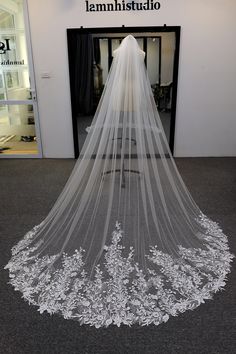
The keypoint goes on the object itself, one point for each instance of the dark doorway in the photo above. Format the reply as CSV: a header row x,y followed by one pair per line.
x,y
90,57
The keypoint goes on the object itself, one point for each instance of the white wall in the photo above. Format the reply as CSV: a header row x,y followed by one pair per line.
x,y
206,107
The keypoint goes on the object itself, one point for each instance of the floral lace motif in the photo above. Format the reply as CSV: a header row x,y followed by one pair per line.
x,y
122,293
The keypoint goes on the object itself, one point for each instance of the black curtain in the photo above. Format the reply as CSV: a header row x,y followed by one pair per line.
x,y
81,59
97,52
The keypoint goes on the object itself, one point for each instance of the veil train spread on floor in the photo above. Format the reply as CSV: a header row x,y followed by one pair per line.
x,y
125,242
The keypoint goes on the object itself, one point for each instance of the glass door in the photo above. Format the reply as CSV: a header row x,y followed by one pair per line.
x,y
19,127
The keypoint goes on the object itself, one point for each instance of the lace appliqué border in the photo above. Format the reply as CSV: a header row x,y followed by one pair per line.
x,y
122,293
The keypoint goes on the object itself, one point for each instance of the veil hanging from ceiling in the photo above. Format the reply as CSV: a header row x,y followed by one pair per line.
x,y
124,242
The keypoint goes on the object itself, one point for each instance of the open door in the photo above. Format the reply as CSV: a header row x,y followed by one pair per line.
x,y
90,58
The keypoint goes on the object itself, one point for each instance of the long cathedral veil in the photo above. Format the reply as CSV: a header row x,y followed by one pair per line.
x,y
124,242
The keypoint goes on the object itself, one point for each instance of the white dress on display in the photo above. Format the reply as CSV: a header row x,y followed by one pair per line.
x,y
125,242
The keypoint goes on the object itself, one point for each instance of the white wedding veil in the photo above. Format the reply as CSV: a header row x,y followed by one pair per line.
x,y
124,242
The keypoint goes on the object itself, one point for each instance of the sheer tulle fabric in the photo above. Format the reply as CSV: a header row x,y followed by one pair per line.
x,y
124,242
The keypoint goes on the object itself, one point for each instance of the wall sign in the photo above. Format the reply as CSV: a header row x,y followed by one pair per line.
x,y
122,5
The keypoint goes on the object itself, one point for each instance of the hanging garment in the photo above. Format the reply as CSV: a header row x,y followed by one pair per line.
x,y
125,242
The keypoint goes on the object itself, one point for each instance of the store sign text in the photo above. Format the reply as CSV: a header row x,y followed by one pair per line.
x,y
4,46
115,5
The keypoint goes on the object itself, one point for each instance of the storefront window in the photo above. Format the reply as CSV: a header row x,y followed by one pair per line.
x,y
18,107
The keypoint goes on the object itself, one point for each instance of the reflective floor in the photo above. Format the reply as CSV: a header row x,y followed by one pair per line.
x,y
14,145
85,121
